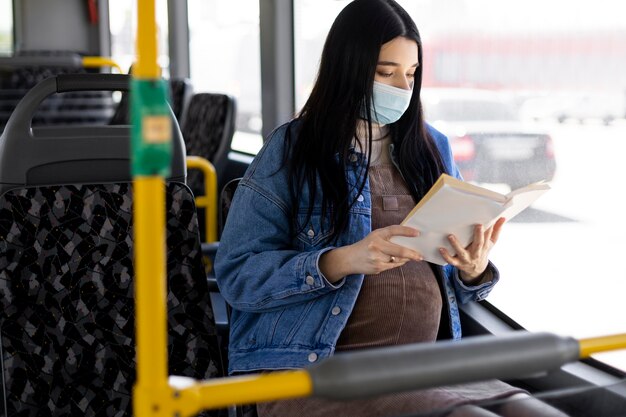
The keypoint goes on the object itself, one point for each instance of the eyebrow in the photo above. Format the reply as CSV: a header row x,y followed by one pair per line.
x,y
395,64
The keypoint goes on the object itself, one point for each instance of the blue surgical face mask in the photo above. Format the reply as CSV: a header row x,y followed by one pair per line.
x,y
389,103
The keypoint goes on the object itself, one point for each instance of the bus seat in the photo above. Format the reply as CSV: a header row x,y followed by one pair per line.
x,y
223,320
25,69
209,250
208,129
66,266
67,298
226,199
180,93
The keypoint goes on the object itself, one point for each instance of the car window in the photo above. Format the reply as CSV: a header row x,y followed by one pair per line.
x,y
452,110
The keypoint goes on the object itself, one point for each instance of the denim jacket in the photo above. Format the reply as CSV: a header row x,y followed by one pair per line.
x,y
285,314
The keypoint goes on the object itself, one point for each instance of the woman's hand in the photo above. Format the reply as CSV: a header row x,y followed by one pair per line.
x,y
371,255
473,260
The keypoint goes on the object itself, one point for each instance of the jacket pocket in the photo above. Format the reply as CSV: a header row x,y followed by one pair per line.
x,y
278,327
314,233
297,324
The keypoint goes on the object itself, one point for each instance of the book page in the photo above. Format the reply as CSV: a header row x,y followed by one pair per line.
x,y
541,185
521,201
472,188
449,211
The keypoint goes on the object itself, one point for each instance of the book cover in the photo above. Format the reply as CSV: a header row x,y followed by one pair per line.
x,y
453,206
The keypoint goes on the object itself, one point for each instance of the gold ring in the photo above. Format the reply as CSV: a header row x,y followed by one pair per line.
x,y
392,259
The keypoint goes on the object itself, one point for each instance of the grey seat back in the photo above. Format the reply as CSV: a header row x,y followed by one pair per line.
x,y
70,154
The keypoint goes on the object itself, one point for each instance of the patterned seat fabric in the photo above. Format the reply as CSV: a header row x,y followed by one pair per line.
x,y
208,131
226,199
180,94
66,299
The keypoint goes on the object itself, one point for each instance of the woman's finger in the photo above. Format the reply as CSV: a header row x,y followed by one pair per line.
x,y
495,234
398,230
479,238
461,252
452,260
487,243
391,249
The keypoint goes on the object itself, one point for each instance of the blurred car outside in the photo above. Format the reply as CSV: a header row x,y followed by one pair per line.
x,y
582,107
490,143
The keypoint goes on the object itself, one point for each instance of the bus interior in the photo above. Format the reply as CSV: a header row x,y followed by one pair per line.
x,y
235,70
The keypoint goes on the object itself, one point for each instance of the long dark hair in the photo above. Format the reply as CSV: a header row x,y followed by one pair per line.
x,y
342,94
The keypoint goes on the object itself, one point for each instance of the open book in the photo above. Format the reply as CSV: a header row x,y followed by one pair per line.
x,y
453,206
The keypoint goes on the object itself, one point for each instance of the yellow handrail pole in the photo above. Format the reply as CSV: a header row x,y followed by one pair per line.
x,y
260,388
209,200
99,61
151,149
248,389
146,67
601,344
150,283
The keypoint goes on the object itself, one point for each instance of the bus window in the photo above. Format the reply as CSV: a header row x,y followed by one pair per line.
x,y
559,66
225,58
123,24
312,21
6,27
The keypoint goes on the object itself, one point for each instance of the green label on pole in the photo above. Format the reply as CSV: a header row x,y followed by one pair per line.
x,y
151,144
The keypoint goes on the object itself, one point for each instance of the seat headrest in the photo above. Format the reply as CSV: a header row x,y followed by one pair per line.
x,y
71,154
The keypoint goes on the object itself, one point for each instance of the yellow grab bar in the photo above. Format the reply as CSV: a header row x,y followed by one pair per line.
x,y
100,61
248,389
601,344
208,201
346,376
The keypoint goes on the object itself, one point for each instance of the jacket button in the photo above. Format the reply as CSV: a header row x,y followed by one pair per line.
x,y
336,310
360,198
312,357
310,233
309,280
354,158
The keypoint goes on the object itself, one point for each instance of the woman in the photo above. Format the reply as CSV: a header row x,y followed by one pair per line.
x,y
305,258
